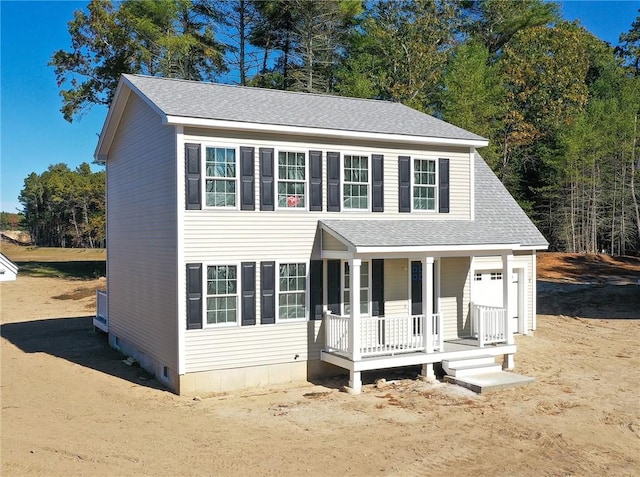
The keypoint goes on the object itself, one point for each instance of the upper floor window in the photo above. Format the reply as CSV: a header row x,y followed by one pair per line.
x,y
221,174
292,176
292,291
355,192
424,184
222,294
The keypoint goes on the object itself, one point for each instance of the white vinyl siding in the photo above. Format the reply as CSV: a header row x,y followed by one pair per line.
x,y
454,296
224,348
396,287
142,234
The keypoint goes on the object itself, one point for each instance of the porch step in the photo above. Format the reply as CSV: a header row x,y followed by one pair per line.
x,y
483,383
471,366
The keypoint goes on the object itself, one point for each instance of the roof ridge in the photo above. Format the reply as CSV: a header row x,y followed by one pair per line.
x,y
272,90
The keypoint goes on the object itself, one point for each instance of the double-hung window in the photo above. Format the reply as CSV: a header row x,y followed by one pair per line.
x,y
221,174
292,180
292,291
222,294
364,289
424,184
355,191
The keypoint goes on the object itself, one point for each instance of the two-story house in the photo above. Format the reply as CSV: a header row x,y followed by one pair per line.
x,y
243,225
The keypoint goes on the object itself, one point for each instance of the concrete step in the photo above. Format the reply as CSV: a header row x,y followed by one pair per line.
x,y
473,369
470,361
470,366
482,383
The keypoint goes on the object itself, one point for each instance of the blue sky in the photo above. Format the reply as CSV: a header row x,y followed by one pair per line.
x,y
33,133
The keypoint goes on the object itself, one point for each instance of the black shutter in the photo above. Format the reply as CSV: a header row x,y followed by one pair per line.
x,y
333,182
377,183
194,296
192,176
266,179
316,289
247,179
315,180
443,186
268,293
333,286
404,184
377,287
248,279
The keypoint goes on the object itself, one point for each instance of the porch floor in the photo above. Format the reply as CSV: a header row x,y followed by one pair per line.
x,y
453,349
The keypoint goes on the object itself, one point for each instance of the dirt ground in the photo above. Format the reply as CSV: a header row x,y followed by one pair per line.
x,y
70,406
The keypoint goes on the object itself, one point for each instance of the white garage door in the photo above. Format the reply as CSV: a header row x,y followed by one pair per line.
x,y
487,291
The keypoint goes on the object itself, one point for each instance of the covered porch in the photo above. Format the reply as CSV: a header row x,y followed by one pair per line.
x,y
415,307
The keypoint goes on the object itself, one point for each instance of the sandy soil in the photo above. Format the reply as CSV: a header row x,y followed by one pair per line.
x,y
71,407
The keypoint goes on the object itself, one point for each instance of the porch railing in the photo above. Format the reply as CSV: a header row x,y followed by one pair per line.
x,y
490,325
385,335
101,319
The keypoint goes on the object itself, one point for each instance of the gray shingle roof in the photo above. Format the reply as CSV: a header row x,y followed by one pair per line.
x,y
498,220
194,99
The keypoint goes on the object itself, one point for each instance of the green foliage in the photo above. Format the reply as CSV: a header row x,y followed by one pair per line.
x,y
10,221
472,95
164,37
86,270
65,208
400,52
629,48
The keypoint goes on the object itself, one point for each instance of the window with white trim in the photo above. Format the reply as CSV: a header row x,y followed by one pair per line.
x,y
365,286
292,180
222,294
424,184
220,177
355,189
292,291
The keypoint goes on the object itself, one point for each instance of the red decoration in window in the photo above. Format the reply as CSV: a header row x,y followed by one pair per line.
x,y
293,201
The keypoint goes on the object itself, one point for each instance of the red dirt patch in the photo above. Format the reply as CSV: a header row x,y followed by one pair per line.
x,y
580,267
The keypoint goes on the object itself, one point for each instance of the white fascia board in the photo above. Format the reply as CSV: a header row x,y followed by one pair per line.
x,y
436,248
332,133
110,124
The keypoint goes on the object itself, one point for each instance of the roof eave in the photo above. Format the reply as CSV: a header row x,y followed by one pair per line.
x,y
321,132
116,109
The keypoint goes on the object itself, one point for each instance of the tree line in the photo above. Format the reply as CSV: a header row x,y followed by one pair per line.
x,y
64,207
559,106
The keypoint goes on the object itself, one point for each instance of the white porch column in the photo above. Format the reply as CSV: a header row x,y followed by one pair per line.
x,y
355,379
507,271
354,322
427,301
427,373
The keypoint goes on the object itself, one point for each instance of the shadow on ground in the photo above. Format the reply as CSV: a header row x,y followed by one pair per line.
x,y
75,340
589,300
